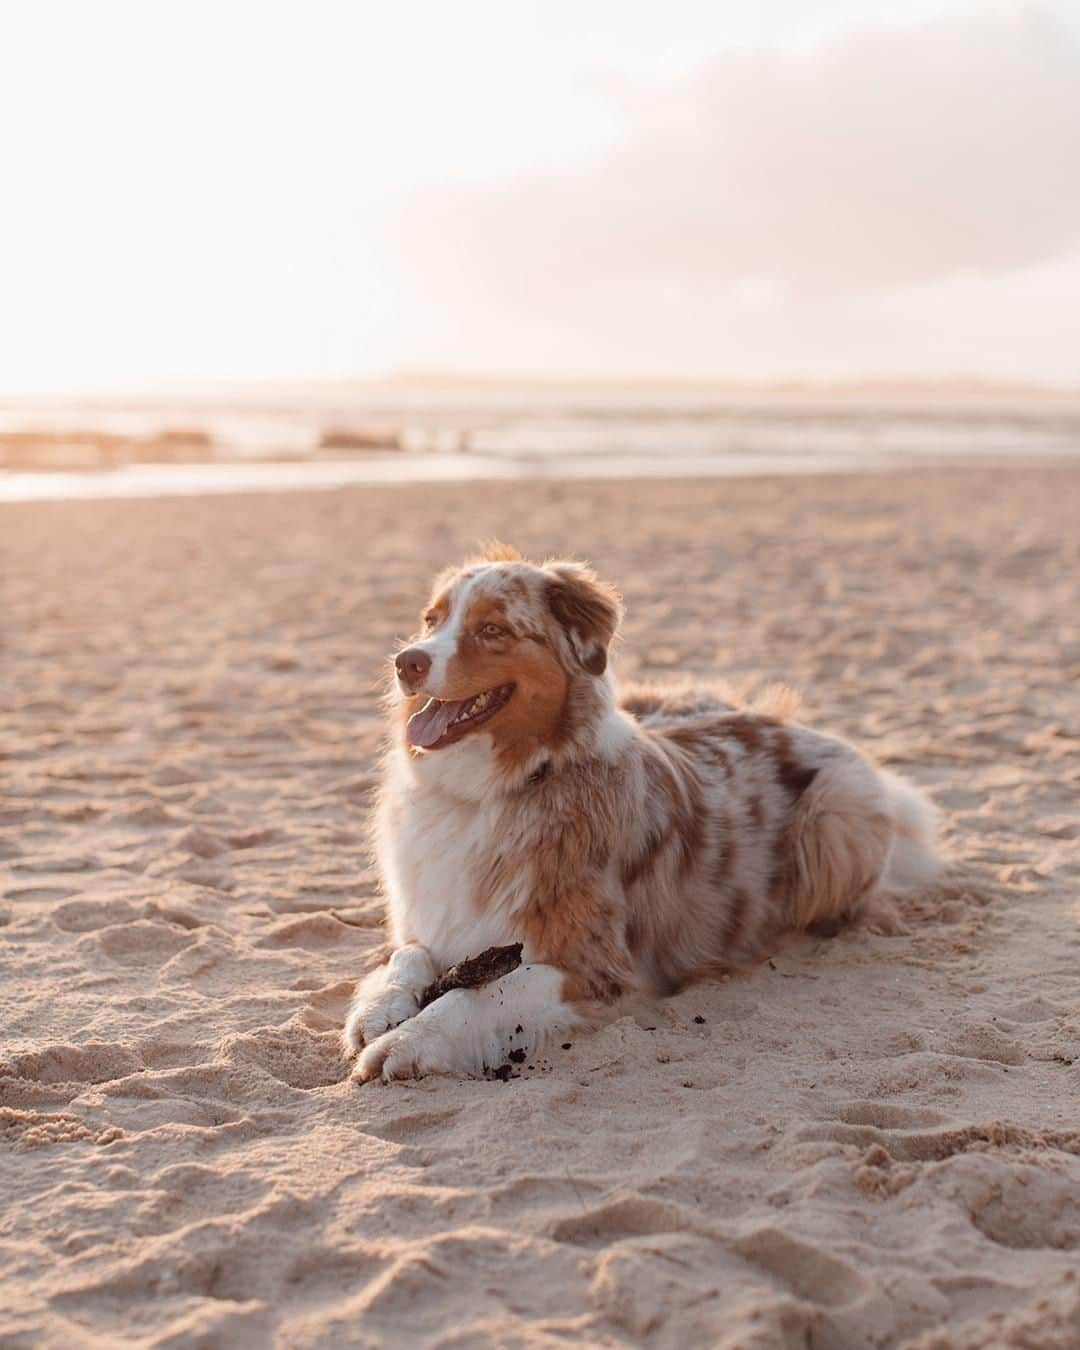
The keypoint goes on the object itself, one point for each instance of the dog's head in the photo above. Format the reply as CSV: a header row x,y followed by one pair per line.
x,y
507,647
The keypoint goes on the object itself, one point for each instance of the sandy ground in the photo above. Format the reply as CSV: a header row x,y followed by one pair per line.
x,y
871,1141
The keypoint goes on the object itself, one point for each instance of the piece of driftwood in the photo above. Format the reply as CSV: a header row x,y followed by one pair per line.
x,y
476,971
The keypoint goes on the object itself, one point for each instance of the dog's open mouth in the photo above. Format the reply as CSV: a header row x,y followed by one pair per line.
x,y
440,723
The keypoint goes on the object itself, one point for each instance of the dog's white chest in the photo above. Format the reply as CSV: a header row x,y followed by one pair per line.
x,y
435,852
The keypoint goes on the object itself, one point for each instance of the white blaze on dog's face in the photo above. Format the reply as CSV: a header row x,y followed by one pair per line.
x,y
502,643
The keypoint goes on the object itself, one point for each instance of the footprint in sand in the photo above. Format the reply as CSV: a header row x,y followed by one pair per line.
x,y
173,775
886,1116
326,1008
94,1062
293,1054
47,866
633,1216
201,843
415,1126
313,931
23,1130
148,815
1015,1203
809,1272
255,838
1037,1009
85,916
984,1042
141,942
937,1073
200,872
38,894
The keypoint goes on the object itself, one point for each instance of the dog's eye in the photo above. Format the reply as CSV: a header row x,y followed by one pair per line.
x,y
492,630
430,619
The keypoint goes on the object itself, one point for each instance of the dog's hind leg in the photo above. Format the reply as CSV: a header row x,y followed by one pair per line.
x,y
860,836
841,839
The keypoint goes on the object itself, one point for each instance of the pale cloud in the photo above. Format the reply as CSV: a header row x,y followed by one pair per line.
x,y
819,187
888,157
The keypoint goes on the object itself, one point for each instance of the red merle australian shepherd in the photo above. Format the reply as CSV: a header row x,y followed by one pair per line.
x,y
630,843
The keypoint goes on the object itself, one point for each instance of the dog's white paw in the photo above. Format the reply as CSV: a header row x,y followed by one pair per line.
x,y
393,1055
414,1049
370,1020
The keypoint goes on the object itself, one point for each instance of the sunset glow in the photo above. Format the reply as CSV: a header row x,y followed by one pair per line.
x,y
243,192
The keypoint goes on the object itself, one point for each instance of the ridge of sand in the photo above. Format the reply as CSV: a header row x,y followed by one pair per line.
x,y
870,1141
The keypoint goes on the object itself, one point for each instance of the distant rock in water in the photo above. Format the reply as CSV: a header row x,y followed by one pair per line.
x,y
174,445
359,438
64,449
185,436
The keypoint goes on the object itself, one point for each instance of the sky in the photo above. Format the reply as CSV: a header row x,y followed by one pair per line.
x,y
770,189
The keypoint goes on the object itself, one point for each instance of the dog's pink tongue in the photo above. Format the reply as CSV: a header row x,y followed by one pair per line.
x,y
430,724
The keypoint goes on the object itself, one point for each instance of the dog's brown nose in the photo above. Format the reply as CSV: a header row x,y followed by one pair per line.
x,y
412,667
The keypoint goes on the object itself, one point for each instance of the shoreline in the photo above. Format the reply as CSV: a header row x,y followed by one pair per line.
x,y
145,481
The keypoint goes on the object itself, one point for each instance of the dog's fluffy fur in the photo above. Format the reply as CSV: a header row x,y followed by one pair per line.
x,y
632,843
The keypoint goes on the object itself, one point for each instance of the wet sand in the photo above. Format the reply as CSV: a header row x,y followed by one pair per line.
x,y
868,1141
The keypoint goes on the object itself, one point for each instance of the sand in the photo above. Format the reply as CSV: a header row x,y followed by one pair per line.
x,y
869,1141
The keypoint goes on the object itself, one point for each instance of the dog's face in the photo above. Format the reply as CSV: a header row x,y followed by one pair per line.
x,y
501,643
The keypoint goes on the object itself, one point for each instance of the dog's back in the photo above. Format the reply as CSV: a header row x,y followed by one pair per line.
x,y
752,826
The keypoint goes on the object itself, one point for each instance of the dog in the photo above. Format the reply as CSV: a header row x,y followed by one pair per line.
x,y
630,844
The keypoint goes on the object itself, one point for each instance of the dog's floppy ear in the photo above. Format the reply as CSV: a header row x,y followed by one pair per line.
x,y
587,609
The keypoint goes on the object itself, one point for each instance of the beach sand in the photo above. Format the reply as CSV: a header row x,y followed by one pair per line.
x,y
868,1141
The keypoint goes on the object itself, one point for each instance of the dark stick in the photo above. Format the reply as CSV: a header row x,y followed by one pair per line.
x,y
477,970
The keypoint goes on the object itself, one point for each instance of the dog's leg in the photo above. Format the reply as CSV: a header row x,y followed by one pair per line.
x,y
470,1030
388,996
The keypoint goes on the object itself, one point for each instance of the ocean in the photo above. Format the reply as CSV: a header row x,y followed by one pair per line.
x,y
295,437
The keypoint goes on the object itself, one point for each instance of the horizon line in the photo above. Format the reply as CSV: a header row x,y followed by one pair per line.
x,y
451,379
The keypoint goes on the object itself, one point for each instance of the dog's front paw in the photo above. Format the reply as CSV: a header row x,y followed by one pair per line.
x,y
369,1020
417,1048
393,1055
